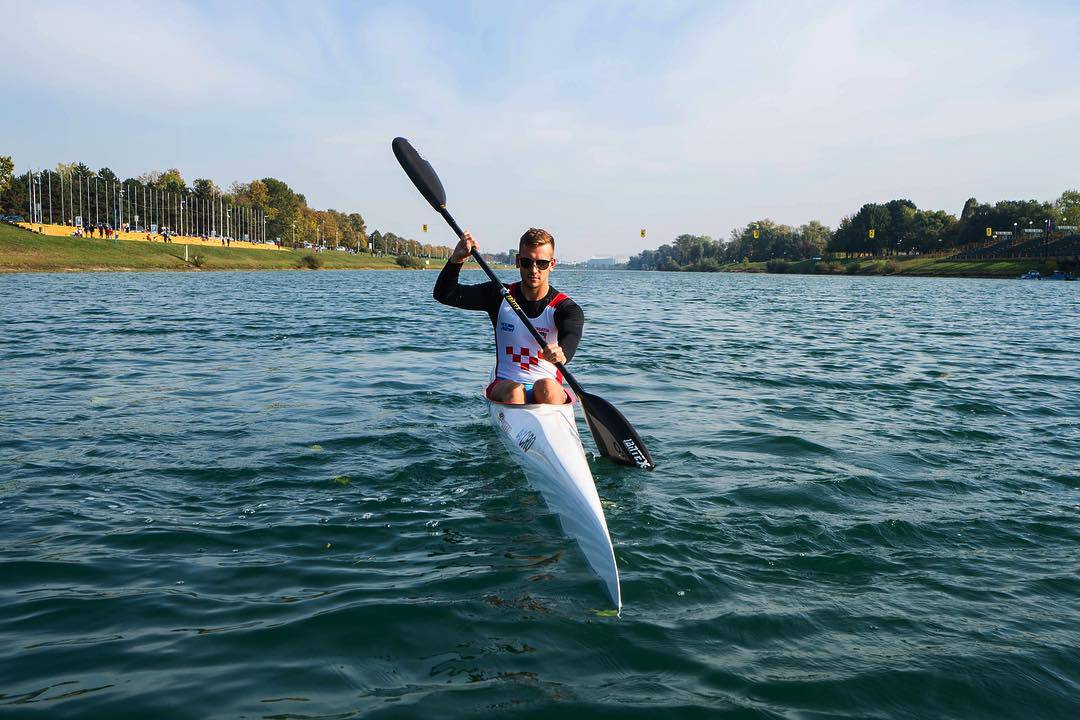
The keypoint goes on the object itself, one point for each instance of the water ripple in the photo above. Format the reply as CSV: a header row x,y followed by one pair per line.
x,y
276,494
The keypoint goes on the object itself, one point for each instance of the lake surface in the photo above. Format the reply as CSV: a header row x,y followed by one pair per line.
x,y
277,495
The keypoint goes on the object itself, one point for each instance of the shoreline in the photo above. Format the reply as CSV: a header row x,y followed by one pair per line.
x,y
26,251
930,267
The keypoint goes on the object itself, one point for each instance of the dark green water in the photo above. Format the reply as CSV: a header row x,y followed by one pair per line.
x,y
277,495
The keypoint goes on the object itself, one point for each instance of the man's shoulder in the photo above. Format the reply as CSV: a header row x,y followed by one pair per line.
x,y
489,287
563,303
555,292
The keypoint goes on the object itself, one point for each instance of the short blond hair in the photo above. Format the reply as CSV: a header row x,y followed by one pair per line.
x,y
535,237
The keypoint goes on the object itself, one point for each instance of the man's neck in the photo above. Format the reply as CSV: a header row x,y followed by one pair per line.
x,y
534,294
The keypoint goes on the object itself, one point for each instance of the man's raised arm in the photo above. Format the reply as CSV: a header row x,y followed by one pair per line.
x,y
447,289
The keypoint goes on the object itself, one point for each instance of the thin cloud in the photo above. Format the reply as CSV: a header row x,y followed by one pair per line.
x,y
594,119
166,54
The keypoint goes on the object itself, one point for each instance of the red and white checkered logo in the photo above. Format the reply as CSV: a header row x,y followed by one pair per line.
x,y
524,358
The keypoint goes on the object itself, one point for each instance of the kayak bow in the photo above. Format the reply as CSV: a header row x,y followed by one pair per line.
x,y
544,440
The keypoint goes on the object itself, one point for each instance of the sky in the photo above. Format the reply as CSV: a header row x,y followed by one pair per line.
x,y
590,119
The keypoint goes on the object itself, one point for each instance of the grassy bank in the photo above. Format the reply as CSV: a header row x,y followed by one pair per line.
x,y
25,251
917,267
21,250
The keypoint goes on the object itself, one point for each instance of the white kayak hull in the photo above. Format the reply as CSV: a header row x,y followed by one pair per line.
x,y
544,440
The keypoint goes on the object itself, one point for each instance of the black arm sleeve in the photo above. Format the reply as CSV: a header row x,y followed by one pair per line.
x,y
467,297
570,321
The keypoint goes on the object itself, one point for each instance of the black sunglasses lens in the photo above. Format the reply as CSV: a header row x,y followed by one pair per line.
x,y
527,263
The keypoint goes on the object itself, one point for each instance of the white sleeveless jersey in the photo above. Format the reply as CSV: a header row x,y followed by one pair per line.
x,y
517,354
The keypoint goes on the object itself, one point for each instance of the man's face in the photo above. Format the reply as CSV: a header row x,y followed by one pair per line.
x,y
529,260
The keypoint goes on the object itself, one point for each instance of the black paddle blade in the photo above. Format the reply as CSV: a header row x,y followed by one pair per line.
x,y
615,437
420,172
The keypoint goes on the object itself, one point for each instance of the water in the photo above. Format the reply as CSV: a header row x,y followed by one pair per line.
x,y
277,495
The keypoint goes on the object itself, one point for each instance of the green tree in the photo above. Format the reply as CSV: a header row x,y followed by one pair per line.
x,y
690,249
646,260
7,173
933,230
359,230
13,195
773,240
172,181
1068,207
813,239
1005,215
329,228
205,189
971,206
893,224
283,209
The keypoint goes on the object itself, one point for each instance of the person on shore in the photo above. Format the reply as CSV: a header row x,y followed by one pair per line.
x,y
524,371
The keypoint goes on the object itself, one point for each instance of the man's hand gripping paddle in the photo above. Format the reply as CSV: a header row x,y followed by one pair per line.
x,y
615,437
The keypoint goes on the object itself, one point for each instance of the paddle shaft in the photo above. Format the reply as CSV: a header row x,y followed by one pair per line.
x,y
511,301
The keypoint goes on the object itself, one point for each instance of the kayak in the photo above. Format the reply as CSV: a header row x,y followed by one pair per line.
x,y
544,440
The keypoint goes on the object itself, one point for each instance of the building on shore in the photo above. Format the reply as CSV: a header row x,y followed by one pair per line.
x,y
605,263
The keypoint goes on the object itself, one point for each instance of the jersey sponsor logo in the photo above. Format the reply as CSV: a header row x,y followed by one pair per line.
x,y
542,330
506,327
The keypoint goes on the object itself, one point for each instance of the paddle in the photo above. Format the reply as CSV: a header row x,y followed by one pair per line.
x,y
615,437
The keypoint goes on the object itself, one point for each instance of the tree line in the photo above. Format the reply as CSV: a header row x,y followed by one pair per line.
x,y
897,227
266,208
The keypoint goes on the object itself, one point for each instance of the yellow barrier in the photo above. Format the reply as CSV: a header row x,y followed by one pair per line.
x,y
68,231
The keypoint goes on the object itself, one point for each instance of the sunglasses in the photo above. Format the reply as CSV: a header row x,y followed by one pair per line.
x,y
527,263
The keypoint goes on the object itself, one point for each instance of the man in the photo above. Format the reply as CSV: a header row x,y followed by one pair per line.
x,y
524,372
